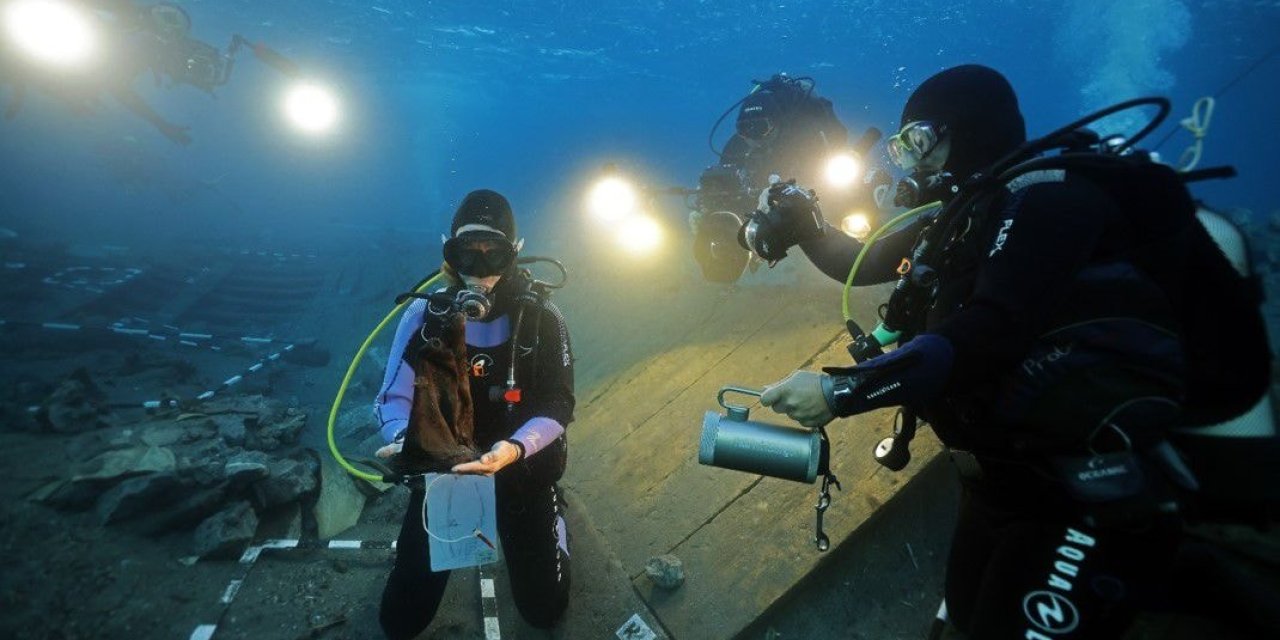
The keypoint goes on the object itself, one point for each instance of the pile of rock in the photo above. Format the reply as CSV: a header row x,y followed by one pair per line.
x,y
74,406
231,473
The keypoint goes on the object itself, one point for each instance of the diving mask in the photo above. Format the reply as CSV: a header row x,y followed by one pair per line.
x,y
755,128
910,146
479,258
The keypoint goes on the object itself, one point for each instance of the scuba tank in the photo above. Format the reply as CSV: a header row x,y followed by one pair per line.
x,y
1234,460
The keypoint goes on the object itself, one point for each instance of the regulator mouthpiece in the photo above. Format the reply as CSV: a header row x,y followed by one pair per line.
x,y
920,188
474,302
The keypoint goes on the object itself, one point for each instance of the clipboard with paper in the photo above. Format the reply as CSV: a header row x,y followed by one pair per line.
x,y
460,517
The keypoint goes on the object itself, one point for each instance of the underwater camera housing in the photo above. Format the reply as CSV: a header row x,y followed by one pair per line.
x,y
722,191
792,217
204,66
724,188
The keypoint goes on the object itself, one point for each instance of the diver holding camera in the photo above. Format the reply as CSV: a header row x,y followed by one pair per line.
x,y
791,216
1050,315
783,128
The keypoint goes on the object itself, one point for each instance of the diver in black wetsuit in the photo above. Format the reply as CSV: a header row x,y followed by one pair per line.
x,y
525,441
784,129
1045,338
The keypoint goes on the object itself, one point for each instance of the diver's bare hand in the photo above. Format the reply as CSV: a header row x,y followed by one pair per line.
x,y
390,450
800,397
502,454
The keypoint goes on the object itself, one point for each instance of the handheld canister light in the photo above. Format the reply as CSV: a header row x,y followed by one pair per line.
x,y
733,441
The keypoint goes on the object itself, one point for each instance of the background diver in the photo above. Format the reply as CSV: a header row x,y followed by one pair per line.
x,y
125,57
783,130
179,58
140,38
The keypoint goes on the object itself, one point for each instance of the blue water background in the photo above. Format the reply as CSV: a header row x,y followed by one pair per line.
x,y
530,97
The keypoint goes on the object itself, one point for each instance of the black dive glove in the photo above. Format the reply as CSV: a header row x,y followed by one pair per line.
x,y
793,217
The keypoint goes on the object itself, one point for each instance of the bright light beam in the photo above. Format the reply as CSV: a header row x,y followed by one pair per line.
x,y
51,32
843,169
611,199
640,234
311,108
856,225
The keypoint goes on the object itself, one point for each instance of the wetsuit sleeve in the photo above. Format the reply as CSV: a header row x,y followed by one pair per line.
x,y
552,398
1036,245
833,254
395,398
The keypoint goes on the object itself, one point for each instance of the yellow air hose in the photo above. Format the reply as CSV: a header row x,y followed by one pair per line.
x,y
346,380
1198,125
857,262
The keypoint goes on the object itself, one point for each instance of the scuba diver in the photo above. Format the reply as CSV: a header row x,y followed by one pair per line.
x,y
783,131
1051,322
113,75
174,54
155,38
523,435
182,59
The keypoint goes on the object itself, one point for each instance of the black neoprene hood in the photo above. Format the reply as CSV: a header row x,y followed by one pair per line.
x,y
488,208
980,110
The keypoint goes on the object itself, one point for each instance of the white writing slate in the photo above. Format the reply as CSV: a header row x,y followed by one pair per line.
x,y
461,517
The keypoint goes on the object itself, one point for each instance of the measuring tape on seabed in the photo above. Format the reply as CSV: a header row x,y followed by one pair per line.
x,y
172,403
488,591
175,335
273,254
56,280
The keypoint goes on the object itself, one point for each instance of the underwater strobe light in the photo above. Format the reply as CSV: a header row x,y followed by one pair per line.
x,y
843,169
856,225
640,234
51,32
311,107
612,199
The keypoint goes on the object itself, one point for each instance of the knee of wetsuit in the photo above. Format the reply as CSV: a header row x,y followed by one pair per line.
x,y
549,613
